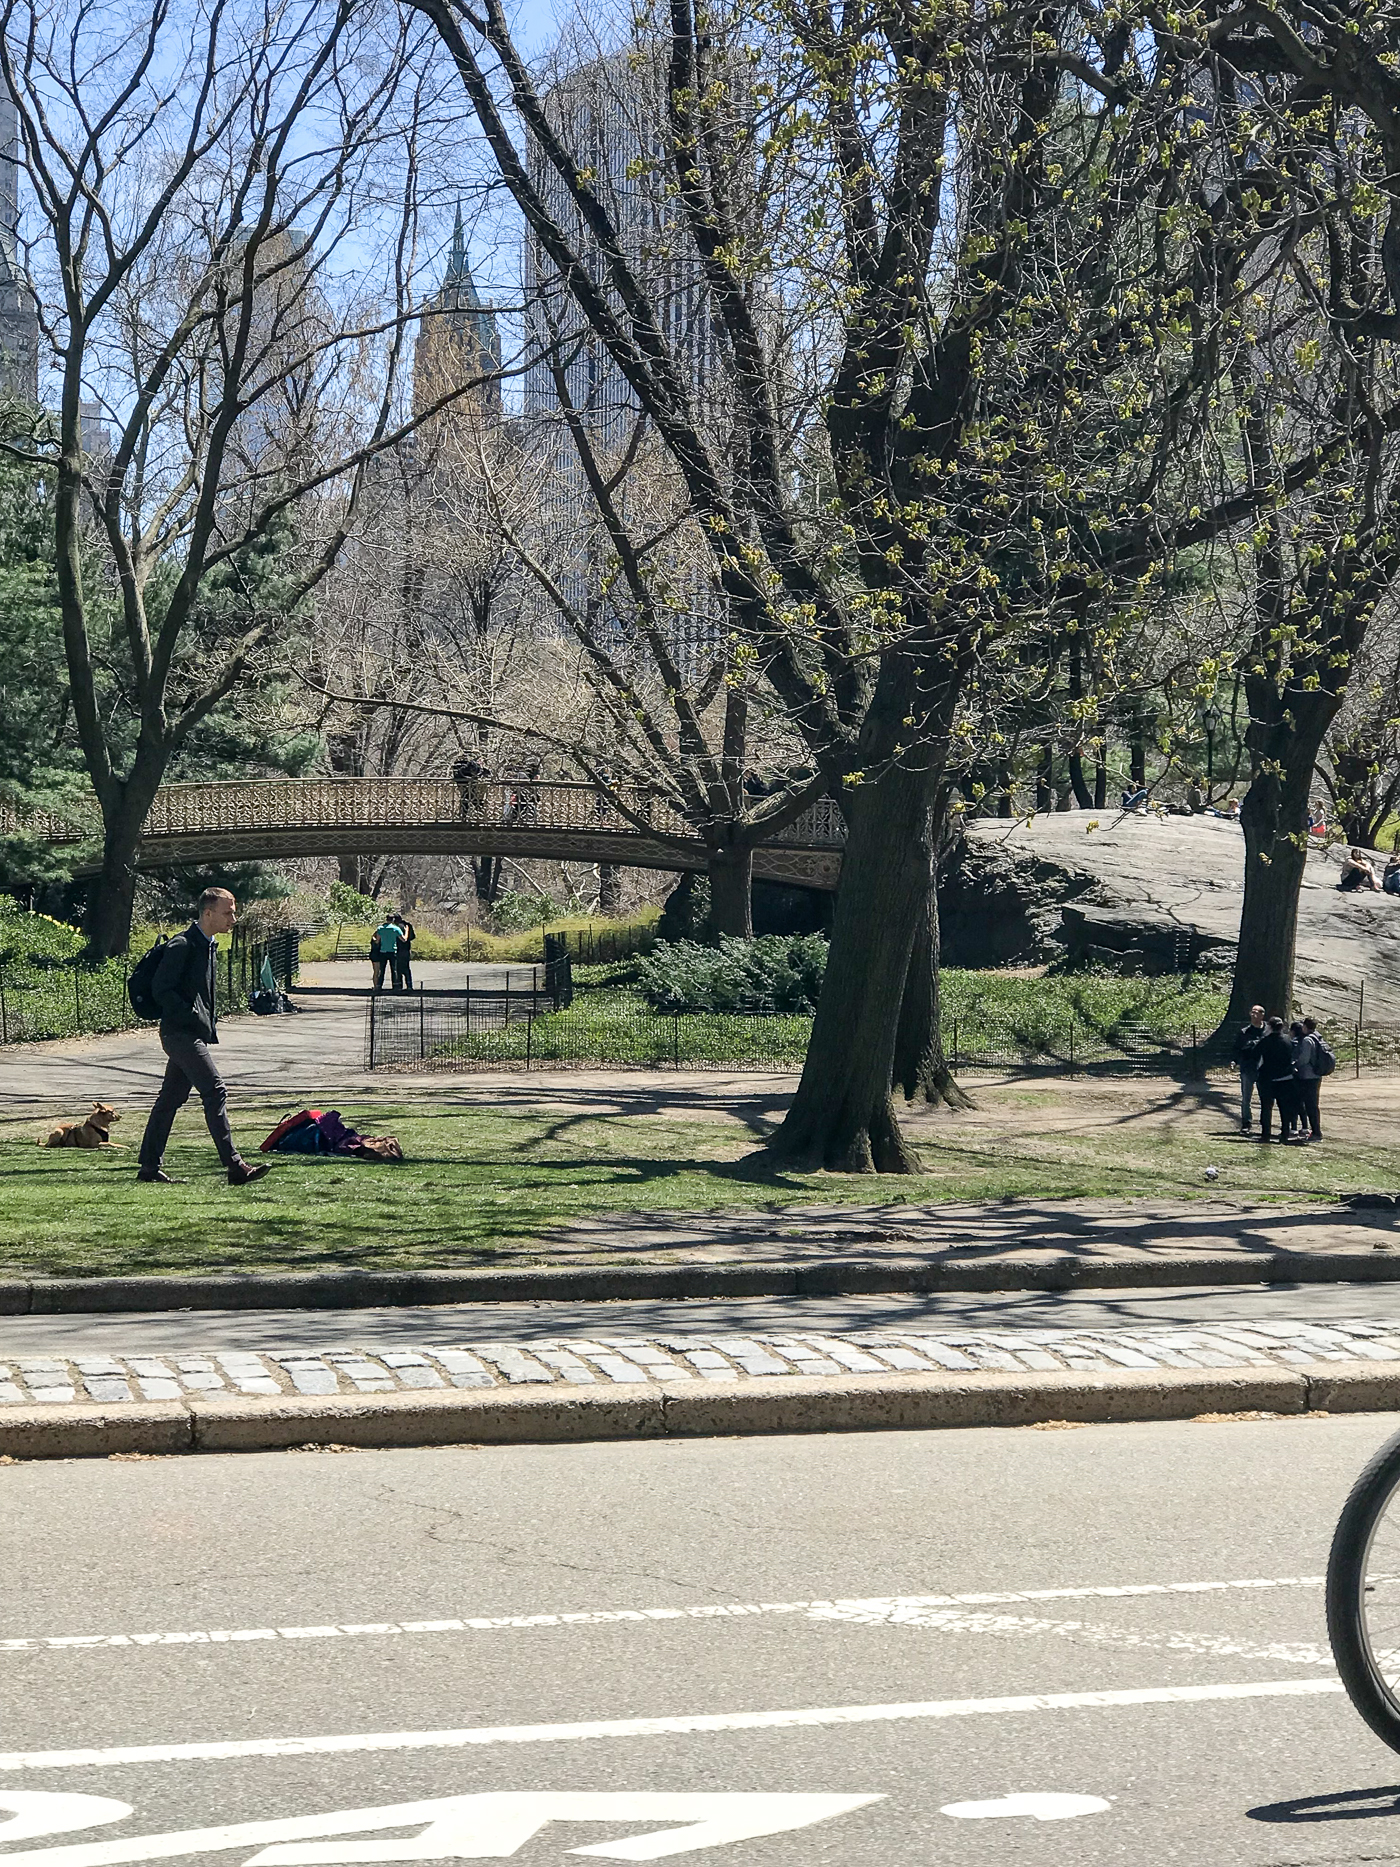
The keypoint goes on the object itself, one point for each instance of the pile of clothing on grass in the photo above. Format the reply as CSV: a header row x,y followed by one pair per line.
x,y
322,1131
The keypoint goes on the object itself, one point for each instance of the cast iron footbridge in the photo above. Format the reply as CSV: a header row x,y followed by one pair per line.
x,y
250,820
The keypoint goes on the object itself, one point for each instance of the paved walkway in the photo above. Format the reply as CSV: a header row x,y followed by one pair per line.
x,y
570,1361
320,1051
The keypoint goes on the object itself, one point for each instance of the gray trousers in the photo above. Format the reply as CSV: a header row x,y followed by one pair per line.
x,y
189,1066
1248,1078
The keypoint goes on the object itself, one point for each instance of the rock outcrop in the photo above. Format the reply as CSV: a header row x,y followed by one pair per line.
x,y
1153,894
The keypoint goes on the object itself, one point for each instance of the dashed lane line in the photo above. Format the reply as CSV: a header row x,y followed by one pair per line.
x,y
891,1608
701,1723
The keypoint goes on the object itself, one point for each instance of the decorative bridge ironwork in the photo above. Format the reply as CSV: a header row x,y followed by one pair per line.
x,y
257,818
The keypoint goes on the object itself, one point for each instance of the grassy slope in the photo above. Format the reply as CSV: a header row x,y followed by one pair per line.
x,y
484,1182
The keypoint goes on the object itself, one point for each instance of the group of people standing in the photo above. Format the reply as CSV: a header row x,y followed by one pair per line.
x,y
391,947
1286,1066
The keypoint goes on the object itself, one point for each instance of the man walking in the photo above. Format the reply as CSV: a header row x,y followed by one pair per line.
x,y
1245,1056
183,988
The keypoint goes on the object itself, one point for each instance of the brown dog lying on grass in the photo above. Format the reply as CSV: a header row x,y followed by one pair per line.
x,y
95,1131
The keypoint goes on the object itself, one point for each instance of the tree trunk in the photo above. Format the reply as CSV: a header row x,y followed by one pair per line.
x,y
1100,778
1083,797
609,888
1045,772
731,893
920,1067
112,893
1274,817
842,1116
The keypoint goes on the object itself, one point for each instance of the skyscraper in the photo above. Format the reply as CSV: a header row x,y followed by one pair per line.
x,y
610,112
19,323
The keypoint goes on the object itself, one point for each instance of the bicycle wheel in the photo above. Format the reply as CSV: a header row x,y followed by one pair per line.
x,y
1363,1594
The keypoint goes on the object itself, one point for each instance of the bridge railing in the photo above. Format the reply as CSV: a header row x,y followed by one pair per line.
x,y
332,803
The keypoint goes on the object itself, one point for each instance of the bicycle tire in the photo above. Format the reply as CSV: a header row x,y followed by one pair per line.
x,y
1355,1579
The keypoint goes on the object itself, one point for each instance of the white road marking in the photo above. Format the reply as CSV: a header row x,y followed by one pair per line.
x,y
43,1812
478,1827
891,1607
1047,1807
696,1724
1031,1627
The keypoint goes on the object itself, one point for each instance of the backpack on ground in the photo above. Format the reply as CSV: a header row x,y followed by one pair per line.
x,y
1324,1056
143,978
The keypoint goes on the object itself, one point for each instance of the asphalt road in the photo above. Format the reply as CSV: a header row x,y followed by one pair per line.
x,y
172,1332
636,1640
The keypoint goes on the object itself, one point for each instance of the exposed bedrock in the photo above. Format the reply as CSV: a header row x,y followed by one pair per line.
x,y
1154,895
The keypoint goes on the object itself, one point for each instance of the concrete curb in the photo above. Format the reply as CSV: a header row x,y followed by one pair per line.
x,y
662,1411
329,1290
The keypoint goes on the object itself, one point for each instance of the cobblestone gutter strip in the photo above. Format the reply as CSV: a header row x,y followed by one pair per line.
x,y
804,1405
578,1284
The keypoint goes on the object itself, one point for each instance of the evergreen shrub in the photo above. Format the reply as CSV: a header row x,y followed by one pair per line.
x,y
780,972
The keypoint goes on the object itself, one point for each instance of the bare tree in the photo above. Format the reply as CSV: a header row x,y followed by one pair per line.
x,y
210,185
977,405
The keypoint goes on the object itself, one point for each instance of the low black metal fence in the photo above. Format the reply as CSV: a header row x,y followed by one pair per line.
x,y
450,1032
485,1031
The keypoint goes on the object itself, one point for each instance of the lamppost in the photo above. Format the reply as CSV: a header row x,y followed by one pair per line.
x,y
1210,719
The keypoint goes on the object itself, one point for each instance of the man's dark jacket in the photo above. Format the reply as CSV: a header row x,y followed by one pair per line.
x,y
1248,1043
183,987
1275,1057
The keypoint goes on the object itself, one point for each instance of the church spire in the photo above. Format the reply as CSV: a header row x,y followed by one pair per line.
x,y
457,273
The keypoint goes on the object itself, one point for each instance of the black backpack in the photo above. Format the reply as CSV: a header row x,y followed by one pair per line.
x,y
1324,1057
143,977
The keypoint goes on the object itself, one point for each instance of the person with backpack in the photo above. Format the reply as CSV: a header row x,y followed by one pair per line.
x,y
176,983
1245,1057
1314,1058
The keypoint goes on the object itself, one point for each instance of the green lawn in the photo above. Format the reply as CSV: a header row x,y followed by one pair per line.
x,y
482,1183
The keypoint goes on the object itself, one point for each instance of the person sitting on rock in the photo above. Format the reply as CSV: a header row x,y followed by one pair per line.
x,y
1390,881
1135,800
1357,873
1317,820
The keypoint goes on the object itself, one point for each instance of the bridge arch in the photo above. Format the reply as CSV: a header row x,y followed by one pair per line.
x,y
248,820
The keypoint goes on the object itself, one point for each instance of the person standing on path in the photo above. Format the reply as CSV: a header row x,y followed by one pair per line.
x,y
1277,1083
184,990
388,934
1245,1057
1307,1057
403,954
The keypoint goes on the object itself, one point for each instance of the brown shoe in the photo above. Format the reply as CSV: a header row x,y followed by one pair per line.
x,y
242,1172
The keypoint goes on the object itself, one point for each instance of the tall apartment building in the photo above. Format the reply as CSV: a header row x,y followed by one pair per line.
x,y
19,323
609,113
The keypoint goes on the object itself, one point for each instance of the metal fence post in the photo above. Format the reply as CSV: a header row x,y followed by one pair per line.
x,y
77,999
676,1038
1195,1053
1358,1053
4,1016
373,1003
505,1018
422,1034
955,1046
529,1040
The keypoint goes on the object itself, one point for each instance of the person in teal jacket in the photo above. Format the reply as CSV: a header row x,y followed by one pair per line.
x,y
385,945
